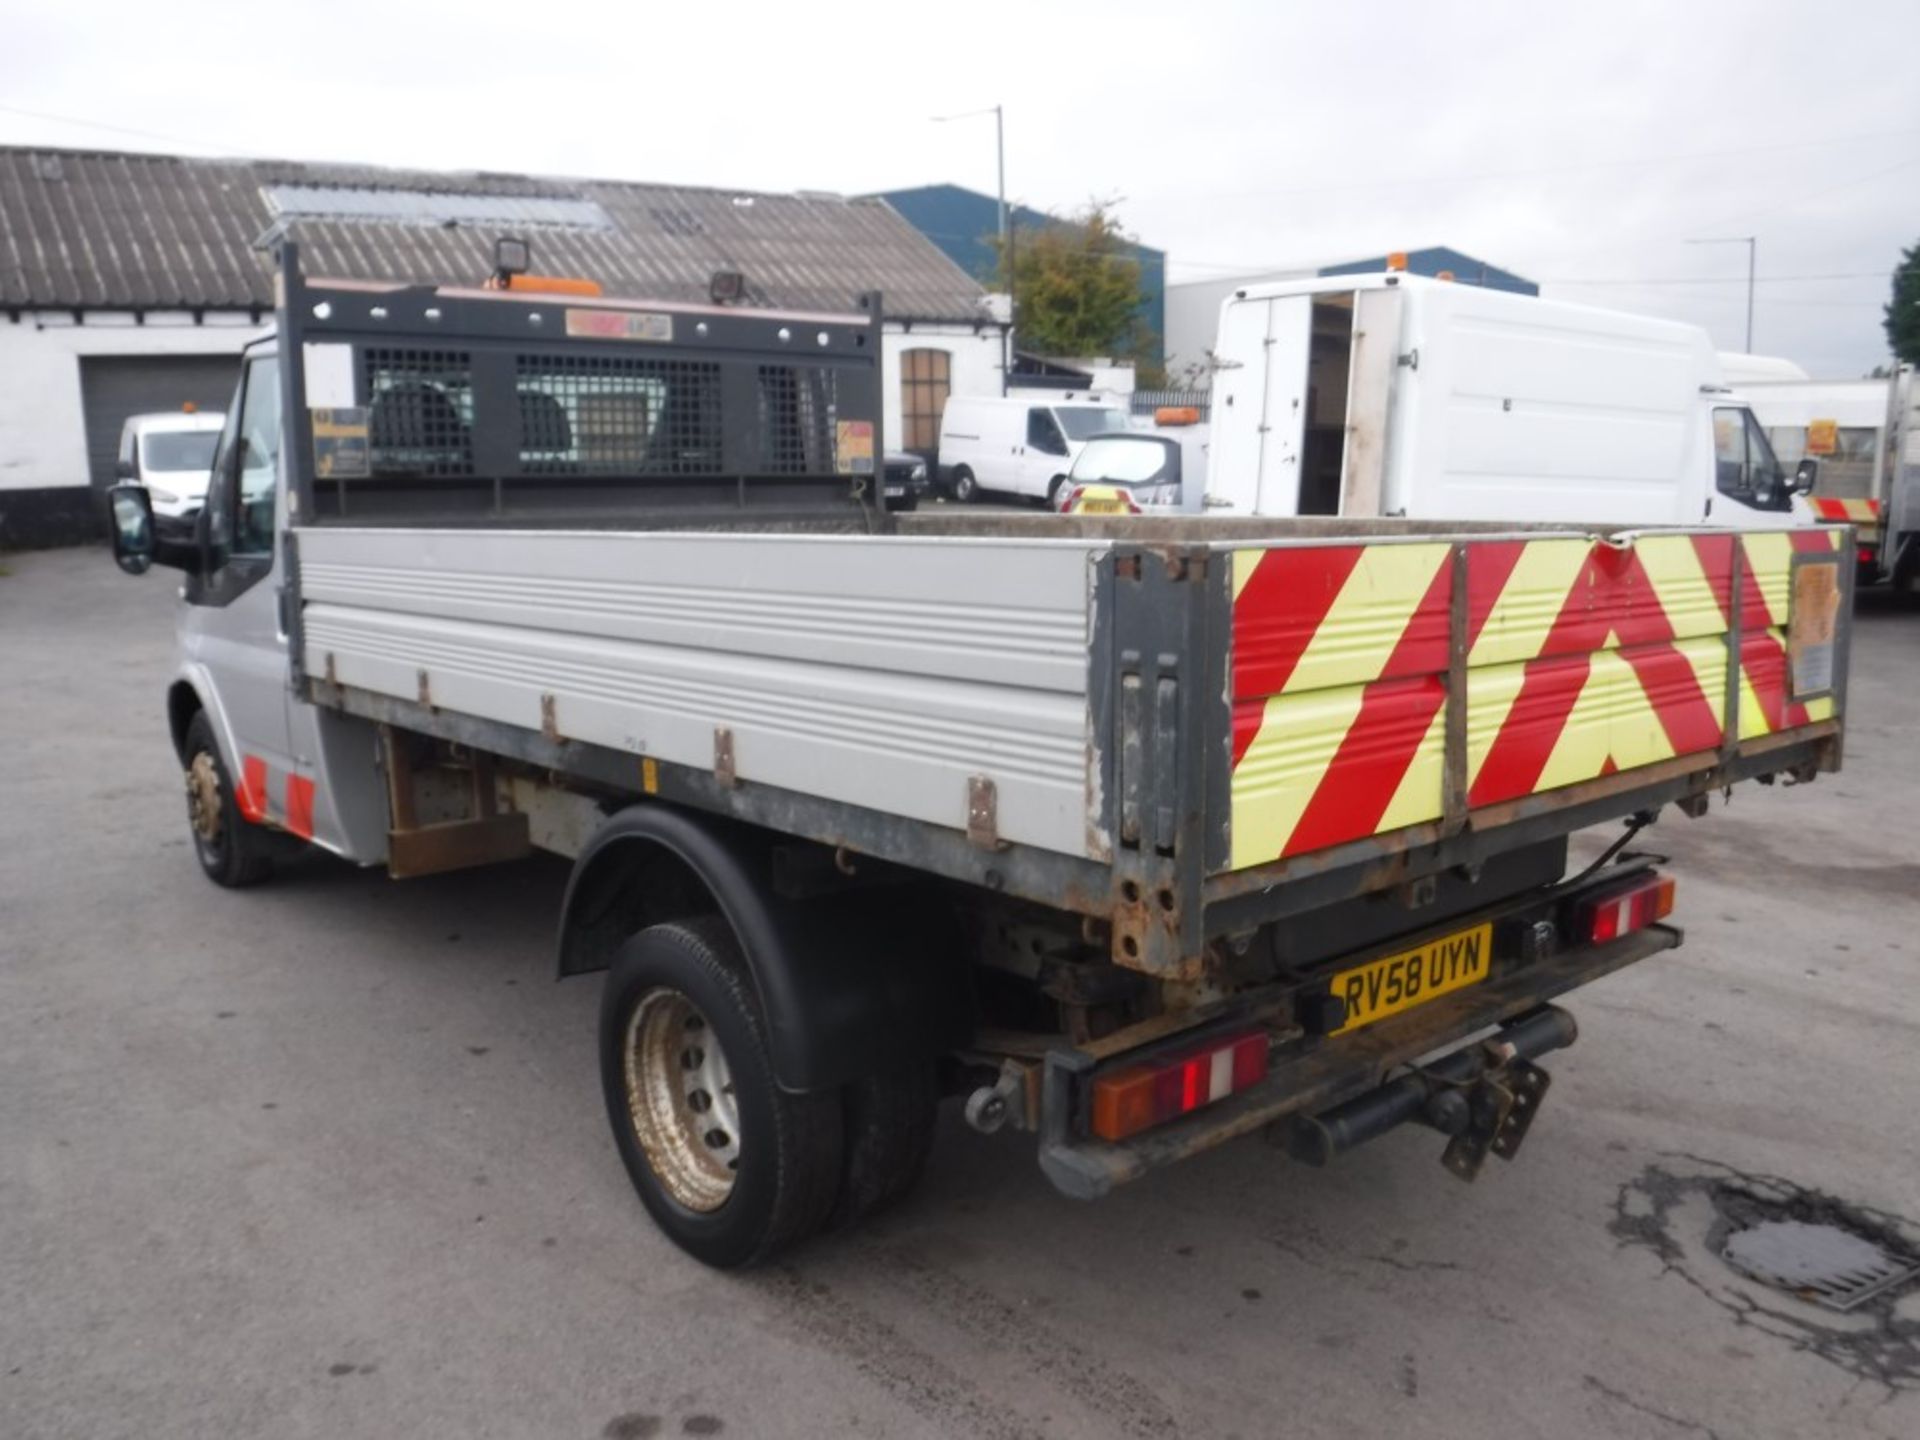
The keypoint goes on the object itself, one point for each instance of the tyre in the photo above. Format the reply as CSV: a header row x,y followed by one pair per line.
x,y
965,488
889,1121
1055,487
232,850
730,1166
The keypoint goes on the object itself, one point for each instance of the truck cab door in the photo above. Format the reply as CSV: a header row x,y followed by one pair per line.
x,y
1259,410
1044,454
1750,491
231,633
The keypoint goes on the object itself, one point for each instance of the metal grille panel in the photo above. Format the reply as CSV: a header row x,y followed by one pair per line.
x,y
420,411
797,417
605,415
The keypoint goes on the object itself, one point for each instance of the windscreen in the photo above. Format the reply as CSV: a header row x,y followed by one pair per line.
x,y
1125,460
1084,421
172,450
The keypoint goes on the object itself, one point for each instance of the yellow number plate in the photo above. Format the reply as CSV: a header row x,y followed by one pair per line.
x,y
1099,505
1394,983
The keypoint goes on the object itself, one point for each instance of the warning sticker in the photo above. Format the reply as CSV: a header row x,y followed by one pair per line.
x,y
340,443
1823,437
1810,630
619,325
853,447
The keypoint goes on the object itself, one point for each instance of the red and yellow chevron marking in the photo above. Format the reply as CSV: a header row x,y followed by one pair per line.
x,y
1584,658
1865,516
1845,512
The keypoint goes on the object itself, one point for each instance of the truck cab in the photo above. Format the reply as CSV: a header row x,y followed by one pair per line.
x,y
1396,395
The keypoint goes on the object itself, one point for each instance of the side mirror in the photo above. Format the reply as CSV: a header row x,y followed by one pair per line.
x,y
137,543
1806,476
130,511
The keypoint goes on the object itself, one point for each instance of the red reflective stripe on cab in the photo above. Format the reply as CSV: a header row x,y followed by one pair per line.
x,y
251,795
300,806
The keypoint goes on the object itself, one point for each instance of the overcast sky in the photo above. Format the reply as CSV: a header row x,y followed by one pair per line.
x,y
1580,147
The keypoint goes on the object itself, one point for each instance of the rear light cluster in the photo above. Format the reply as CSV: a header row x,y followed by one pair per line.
x,y
1623,909
1138,1097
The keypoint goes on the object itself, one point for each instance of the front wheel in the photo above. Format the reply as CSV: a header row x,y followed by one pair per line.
x,y
731,1166
231,849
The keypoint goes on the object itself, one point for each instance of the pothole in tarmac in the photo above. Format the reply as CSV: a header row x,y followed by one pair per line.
x,y
1834,1279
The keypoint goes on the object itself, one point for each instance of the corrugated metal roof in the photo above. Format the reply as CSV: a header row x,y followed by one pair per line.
x,y
104,230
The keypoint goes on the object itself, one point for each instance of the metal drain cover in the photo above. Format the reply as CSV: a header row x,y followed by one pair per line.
x,y
1822,1263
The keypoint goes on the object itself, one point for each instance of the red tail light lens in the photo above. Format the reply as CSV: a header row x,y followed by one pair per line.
x,y
1623,909
1138,1097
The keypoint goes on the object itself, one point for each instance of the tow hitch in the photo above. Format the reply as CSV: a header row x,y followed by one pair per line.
x,y
1483,1096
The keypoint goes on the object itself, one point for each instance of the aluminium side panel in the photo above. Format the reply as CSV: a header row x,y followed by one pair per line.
x,y
884,672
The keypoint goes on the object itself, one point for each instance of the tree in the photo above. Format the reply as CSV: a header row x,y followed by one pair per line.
x,y
1903,310
1076,289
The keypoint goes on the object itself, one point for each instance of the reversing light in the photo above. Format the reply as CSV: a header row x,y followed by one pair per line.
x,y
1138,1097
1621,910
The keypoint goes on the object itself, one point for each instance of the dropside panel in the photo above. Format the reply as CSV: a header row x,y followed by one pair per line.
x,y
885,673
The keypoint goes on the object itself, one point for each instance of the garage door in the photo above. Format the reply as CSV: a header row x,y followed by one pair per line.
x,y
114,387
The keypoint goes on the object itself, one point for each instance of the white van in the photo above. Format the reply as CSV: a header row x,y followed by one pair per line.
x,y
1017,445
171,453
1397,395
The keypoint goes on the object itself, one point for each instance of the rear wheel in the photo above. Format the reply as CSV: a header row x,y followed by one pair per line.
x,y
889,1129
731,1166
231,849
965,488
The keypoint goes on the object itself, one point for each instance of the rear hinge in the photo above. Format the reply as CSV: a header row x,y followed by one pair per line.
x,y
549,718
723,767
983,813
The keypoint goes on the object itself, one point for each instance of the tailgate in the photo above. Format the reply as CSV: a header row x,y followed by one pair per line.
x,y
1381,687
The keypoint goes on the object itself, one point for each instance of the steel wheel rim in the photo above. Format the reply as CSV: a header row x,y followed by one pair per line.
x,y
203,799
680,1096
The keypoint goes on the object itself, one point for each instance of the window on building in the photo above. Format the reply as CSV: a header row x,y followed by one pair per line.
x,y
926,379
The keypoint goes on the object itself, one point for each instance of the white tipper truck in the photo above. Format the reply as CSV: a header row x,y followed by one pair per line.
x,y
1137,834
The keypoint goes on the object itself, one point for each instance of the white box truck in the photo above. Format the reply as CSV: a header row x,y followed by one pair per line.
x,y
1396,395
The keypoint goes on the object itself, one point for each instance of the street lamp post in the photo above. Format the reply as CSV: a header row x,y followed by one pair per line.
x,y
1006,235
1752,244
